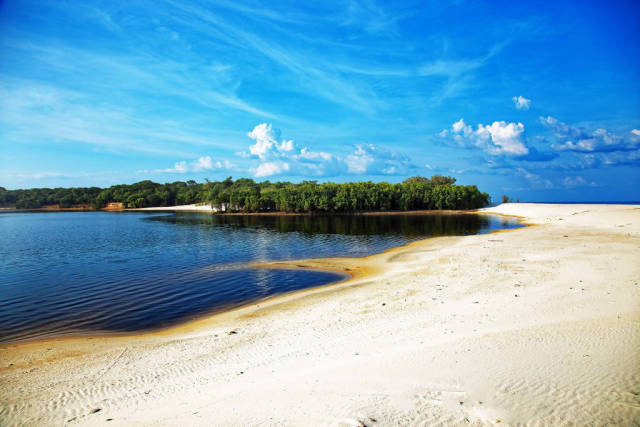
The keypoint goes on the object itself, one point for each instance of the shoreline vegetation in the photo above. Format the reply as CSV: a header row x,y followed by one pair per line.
x,y
247,196
447,330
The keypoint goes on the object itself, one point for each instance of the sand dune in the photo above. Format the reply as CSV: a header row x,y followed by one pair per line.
x,y
536,326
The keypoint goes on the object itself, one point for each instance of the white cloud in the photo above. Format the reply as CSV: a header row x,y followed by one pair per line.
x,y
267,142
225,165
499,138
521,102
573,138
178,167
360,159
620,158
276,156
282,157
507,138
461,127
315,155
201,164
271,168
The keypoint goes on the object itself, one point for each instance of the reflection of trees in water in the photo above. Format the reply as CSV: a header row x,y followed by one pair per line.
x,y
406,225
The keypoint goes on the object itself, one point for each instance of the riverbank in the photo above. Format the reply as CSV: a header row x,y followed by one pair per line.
x,y
49,209
538,324
208,208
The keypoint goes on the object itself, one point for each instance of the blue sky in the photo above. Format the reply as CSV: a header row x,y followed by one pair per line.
x,y
540,101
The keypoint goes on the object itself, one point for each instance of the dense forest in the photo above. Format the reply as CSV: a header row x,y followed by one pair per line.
x,y
246,195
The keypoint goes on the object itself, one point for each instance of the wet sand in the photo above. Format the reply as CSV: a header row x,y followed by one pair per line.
x,y
533,325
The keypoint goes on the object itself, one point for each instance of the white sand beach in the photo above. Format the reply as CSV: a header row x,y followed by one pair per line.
x,y
183,208
531,326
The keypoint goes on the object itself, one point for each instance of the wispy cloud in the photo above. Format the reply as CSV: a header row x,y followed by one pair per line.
x,y
535,181
313,73
370,16
204,163
36,113
56,179
577,181
208,86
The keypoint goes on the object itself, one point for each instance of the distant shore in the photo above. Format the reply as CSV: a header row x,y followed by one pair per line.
x,y
50,209
207,208
536,325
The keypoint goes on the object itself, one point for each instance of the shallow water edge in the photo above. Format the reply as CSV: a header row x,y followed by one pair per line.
x,y
344,269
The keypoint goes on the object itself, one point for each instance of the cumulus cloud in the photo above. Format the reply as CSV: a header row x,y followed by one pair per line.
x,y
521,102
372,159
360,159
498,138
282,157
573,138
267,141
276,156
201,164
271,168
507,138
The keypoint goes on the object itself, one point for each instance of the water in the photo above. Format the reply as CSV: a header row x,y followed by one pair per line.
x,y
81,272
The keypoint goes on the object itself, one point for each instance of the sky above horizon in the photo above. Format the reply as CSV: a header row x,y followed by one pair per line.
x,y
539,101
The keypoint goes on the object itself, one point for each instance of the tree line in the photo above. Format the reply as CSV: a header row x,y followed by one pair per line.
x,y
246,195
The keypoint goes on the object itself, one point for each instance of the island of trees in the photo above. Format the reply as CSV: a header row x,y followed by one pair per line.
x,y
246,195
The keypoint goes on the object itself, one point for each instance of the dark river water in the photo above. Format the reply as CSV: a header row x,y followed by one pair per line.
x,y
81,272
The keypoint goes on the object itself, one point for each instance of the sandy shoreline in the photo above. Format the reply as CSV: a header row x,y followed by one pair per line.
x,y
186,208
209,209
532,325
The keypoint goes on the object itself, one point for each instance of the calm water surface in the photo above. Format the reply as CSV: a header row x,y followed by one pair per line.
x,y
80,272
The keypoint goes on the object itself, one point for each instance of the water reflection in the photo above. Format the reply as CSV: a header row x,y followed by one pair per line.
x,y
408,225
86,271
